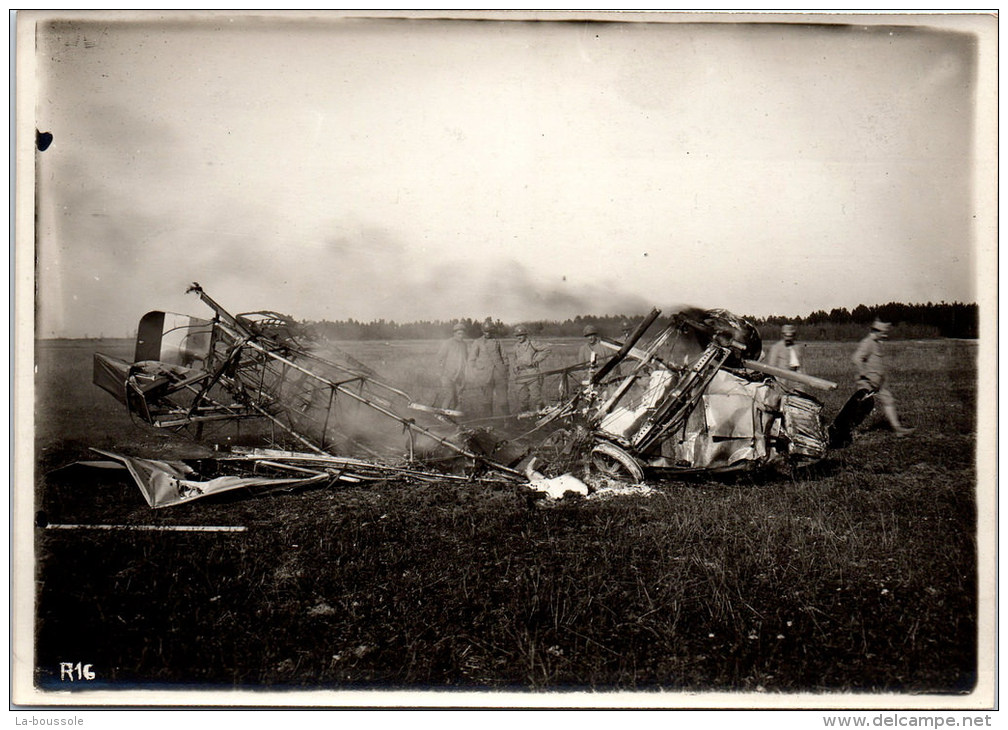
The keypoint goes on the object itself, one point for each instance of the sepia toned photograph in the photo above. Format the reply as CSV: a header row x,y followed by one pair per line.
x,y
504,359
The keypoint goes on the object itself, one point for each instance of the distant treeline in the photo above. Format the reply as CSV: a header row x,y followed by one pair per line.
x,y
912,321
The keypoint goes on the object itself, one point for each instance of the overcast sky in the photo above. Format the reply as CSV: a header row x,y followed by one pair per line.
x,y
429,169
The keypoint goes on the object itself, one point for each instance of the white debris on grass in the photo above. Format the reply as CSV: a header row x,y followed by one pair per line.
x,y
615,489
557,487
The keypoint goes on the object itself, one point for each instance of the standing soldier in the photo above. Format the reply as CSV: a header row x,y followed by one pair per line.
x,y
528,356
488,374
451,367
626,329
784,353
592,350
868,359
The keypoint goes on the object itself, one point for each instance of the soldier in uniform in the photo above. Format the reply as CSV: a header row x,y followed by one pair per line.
x,y
626,330
450,362
785,353
870,364
488,374
528,356
593,346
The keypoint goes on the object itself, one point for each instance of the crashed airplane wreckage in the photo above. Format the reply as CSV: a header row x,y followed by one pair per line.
x,y
691,399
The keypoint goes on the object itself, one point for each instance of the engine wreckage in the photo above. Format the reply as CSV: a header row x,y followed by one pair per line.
x,y
690,397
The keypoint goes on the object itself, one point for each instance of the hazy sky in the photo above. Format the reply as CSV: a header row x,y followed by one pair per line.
x,y
429,169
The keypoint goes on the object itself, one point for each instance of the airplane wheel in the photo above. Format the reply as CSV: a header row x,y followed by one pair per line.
x,y
609,460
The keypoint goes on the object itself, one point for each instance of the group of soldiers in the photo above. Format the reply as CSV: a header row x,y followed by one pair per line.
x,y
869,363
481,369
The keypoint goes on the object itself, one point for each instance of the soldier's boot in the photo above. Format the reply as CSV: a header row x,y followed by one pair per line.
x,y
894,422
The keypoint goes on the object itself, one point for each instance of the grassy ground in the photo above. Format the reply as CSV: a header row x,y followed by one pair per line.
x,y
857,575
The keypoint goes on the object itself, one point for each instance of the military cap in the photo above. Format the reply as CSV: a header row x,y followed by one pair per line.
x,y
459,327
520,330
590,330
789,330
879,326
488,326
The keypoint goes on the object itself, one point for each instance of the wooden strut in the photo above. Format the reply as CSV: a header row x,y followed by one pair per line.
x,y
357,375
615,360
246,340
233,321
672,413
219,310
263,412
271,455
391,414
184,418
235,351
644,358
559,371
361,399
810,380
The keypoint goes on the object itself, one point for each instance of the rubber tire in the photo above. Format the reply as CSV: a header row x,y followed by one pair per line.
x,y
609,460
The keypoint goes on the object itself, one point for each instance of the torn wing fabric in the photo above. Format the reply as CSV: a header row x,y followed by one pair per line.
x,y
169,483
803,425
733,428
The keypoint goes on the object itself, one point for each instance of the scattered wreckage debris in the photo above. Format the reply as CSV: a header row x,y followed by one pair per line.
x,y
691,399
166,483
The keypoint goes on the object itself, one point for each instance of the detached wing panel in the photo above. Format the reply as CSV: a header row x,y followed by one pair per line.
x,y
110,375
170,483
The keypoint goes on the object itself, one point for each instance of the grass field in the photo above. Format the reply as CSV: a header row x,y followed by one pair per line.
x,y
859,575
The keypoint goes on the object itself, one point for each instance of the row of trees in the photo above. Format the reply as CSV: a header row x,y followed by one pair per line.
x,y
912,321
945,319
